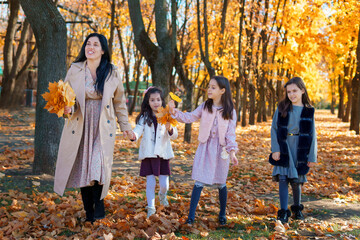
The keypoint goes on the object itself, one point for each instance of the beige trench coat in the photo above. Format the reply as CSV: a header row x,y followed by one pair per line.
x,y
113,105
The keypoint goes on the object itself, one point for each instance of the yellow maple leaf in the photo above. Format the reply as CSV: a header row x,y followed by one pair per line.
x,y
60,95
174,97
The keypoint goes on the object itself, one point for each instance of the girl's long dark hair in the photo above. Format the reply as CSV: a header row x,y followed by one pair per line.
x,y
285,105
226,99
146,110
105,67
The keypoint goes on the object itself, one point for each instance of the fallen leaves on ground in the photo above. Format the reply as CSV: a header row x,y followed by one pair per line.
x,y
251,203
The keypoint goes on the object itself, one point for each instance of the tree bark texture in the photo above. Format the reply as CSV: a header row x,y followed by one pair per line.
x,y
50,33
15,62
355,85
160,58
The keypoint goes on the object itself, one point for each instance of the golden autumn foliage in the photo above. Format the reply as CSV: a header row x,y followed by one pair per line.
x,y
60,95
163,116
174,97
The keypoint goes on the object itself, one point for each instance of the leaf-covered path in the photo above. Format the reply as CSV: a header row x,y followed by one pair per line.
x,y
29,208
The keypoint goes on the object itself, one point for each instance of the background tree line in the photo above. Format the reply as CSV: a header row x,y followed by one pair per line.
x,y
179,45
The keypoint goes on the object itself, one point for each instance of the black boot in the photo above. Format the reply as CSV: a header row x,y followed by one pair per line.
x,y
296,210
87,198
283,215
223,200
99,210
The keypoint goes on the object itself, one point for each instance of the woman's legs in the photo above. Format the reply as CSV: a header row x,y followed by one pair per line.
x,y
99,212
93,205
88,201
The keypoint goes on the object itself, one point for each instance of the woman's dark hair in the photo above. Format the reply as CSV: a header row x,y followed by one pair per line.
x,y
105,67
285,105
146,111
226,99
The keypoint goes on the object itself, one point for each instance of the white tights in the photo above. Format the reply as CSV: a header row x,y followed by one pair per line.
x,y
150,187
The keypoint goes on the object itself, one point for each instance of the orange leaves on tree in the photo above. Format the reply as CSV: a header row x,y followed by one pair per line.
x,y
60,95
163,116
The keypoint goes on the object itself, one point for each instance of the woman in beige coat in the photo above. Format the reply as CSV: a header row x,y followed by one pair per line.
x,y
87,143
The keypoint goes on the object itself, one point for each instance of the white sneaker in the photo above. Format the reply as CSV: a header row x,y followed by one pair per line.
x,y
163,200
150,211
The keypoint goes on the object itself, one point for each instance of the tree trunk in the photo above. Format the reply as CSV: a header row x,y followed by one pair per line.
x,y
355,85
240,63
189,86
347,85
160,58
341,97
264,41
112,27
204,56
13,86
252,109
244,102
137,79
125,62
50,33
333,99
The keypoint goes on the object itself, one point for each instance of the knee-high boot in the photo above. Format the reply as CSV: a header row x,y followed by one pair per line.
x,y
223,201
99,212
195,197
87,198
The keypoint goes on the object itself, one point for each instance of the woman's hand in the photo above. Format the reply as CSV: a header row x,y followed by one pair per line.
x,y
171,105
276,156
233,158
67,110
130,135
311,164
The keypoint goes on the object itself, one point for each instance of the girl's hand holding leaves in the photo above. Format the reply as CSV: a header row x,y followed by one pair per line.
x,y
164,114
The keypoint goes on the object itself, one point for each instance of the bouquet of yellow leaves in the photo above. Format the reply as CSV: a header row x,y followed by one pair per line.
x,y
60,95
163,116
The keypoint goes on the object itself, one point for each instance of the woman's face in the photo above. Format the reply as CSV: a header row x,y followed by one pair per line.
x,y
93,50
294,93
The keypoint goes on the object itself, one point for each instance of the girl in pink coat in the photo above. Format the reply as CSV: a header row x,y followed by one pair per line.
x,y
217,142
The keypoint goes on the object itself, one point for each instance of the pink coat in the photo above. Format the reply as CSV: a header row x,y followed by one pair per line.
x,y
207,121
215,133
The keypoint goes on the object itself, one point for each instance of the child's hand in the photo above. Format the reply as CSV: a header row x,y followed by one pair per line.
x,y
311,164
168,126
276,156
171,105
233,158
67,110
